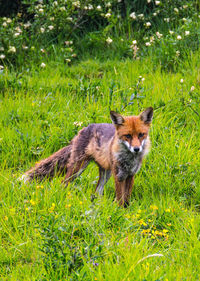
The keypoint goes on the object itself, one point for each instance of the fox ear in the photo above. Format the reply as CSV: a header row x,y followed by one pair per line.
x,y
147,115
116,118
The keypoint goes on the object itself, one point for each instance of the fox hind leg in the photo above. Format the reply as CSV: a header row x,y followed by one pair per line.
x,y
104,176
75,170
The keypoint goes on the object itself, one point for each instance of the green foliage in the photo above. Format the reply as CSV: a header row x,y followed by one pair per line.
x,y
169,30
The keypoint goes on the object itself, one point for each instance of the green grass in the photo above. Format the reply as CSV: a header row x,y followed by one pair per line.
x,y
49,232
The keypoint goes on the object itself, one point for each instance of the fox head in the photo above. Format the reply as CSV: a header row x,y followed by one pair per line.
x,y
132,131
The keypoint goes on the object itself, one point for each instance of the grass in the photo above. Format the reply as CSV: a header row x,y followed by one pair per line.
x,y
49,232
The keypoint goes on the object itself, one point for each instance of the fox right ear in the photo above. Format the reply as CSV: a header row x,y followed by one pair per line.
x,y
116,118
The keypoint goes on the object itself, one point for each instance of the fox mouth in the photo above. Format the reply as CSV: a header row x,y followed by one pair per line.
x,y
136,150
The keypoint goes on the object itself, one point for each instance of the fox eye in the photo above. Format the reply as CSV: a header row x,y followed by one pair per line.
x,y
128,136
140,135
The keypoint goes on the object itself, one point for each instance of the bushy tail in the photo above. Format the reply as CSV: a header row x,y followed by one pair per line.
x,y
56,163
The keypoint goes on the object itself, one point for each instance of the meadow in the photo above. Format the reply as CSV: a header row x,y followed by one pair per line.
x,y
49,232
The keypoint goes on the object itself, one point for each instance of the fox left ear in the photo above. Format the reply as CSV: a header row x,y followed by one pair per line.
x,y
116,118
147,115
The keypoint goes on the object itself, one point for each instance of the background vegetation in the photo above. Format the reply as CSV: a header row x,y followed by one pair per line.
x,y
64,65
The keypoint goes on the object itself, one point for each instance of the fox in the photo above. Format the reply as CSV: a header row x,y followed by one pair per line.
x,y
118,148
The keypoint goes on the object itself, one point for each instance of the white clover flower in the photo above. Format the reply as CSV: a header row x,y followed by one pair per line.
x,y
1,67
2,56
69,18
171,32
148,1
1,48
99,8
27,25
55,3
184,19
50,27
159,35
42,50
41,11
152,39
43,65
177,53
67,60
148,44
4,24
133,16
108,4
181,81
166,19
74,55
187,32
52,18
108,15
12,49
76,4
16,34
134,42
154,14
62,9
157,3
119,1
141,16
24,47
143,79
148,24
9,20
192,89
179,37
109,40
18,29
42,30
176,10
185,6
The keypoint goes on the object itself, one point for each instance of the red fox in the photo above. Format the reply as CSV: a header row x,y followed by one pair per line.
x,y
117,148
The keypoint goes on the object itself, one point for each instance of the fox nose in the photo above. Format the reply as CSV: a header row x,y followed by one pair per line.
x,y
136,149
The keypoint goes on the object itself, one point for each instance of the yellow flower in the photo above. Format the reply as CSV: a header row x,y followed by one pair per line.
x,y
153,207
167,210
81,203
33,203
68,206
5,218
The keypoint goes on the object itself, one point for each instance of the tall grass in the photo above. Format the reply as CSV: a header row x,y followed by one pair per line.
x,y
49,232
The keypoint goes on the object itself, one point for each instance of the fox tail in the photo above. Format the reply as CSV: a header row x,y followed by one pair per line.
x,y
47,168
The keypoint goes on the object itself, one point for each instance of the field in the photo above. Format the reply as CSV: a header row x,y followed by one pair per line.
x,y
49,232
64,65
